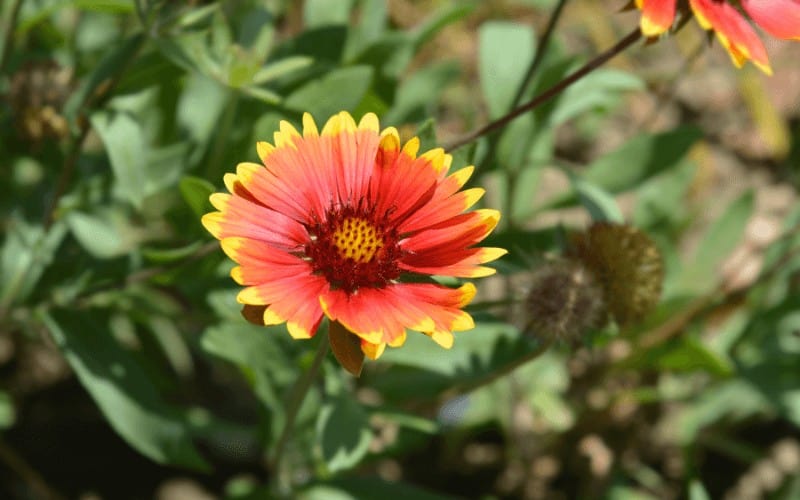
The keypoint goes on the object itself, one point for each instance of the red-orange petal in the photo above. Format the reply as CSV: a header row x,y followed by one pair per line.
x,y
241,217
400,183
377,315
657,16
256,253
459,263
733,31
458,232
444,306
381,315
446,202
779,18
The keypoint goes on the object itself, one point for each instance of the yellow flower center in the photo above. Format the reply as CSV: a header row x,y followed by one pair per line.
x,y
357,239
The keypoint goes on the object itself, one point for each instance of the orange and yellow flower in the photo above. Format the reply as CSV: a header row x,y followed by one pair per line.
x,y
779,18
346,223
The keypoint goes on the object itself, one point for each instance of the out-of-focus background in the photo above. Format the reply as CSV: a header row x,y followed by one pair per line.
x,y
126,371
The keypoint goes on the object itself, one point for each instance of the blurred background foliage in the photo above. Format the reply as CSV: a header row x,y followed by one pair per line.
x,y
127,371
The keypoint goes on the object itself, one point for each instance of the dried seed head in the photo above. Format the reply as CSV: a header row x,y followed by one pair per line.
x,y
627,265
37,95
564,302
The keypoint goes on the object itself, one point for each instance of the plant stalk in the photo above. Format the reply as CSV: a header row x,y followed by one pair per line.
x,y
296,398
545,96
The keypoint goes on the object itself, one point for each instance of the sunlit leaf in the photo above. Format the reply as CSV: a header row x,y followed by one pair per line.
x,y
344,433
341,89
195,192
502,69
701,272
26,252
364,488
123,390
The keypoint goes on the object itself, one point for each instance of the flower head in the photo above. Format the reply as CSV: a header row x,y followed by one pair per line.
x,y
779,18
346,223
565,301
627,265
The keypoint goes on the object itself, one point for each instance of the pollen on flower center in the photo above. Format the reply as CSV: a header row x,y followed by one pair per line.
x,y
357,239
352,248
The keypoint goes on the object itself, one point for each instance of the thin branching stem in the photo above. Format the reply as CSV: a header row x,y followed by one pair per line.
x,y
541,51
548,94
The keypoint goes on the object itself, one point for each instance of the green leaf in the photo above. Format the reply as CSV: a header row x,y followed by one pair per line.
x,y
733,400
426,133
197,15
261,355
409,421
620,492
125,144
344,433
719,241
318,13
150,69
697,491
190,52
163,255
112,63
109,232
365,488
418,95
195,192
447,14
262,94
514,146
641,158
522,195
199,109
660,201
281,68
597,201
687,355
504,51
371,25
341,89
600,89
324,44
107,6
27,251
7,412
422,370
124,390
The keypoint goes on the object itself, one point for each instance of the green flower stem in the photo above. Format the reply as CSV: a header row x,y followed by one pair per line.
x,y
296,398
545,96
